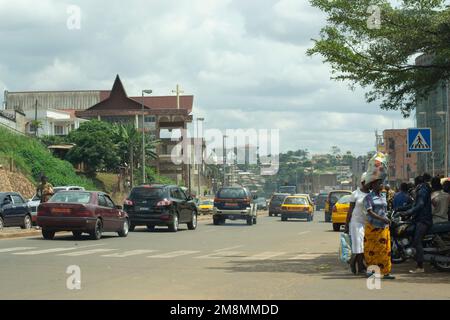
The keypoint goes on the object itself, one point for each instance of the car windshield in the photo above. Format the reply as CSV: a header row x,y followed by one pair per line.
x,y
344,200
147,193
296,200
71,197
36,198
232,193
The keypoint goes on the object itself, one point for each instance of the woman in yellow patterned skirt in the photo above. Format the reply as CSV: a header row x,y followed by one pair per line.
x,y
377,242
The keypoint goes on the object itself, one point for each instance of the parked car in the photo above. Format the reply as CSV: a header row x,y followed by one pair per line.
x,y
234,203
340,211
82,212
34,202
332,198
320,201
206,206
275,203
261,203
297,207
160,205
14,211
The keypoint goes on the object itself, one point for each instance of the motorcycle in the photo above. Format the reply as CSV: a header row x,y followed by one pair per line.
x,y
436,243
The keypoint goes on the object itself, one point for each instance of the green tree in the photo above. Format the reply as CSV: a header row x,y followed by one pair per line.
x,y
94,146
380,57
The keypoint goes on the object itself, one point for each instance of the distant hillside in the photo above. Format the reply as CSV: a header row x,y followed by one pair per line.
x,y
32,159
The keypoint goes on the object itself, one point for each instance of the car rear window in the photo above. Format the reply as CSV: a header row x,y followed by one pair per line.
x,y
71,197
232,193
277,199
296,200
147,193
206,202
335,196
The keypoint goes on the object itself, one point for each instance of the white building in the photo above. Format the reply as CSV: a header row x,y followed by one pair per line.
x,y
52,122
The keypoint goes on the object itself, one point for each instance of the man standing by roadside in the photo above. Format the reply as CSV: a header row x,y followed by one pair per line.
x,y
402,198
389,196
44,190
422,216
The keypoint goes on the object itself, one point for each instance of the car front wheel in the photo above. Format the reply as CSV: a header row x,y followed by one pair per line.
x,y
27,223
125,228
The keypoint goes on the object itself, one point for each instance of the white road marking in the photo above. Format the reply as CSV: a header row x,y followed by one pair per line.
x,y
306,256
128,253
230,248
16,249
304,232
221,254
85,253
173,254
211,230
264,255
36,252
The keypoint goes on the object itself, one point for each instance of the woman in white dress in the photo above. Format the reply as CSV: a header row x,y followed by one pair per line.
x,y
355,224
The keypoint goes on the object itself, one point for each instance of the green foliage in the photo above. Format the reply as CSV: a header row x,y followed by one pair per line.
x,y
53,140
382,58
33,159
152,177
94,147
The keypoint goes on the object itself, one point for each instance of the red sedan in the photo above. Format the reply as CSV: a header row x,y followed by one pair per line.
x,y
82,212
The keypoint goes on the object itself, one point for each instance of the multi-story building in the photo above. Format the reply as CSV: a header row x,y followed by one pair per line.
x,y
165,117
433,112
402,165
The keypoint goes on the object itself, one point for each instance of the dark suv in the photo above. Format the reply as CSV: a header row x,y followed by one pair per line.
x,y
234,203
275,203
160,205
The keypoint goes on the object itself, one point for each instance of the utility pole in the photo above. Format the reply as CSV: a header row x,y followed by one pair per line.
x,y
224,160
178,91
36,119
199,166
143,134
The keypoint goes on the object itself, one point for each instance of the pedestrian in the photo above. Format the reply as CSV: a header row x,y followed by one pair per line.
x,y
377,242
402,198
422,217
446,189
355,224
44,190
439,201
389,196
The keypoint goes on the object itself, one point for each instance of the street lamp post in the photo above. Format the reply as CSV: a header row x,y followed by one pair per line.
x,y
199,166
426,125
224,160
445,114
143,134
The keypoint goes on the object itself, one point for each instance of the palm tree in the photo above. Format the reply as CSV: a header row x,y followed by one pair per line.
x,y
129,142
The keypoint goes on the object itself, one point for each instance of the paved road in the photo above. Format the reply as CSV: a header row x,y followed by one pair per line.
x,y
270,260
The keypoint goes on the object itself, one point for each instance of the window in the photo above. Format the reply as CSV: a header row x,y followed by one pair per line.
x,y
71,197
17,199
102,201
150,119
59,130
175,193
109,202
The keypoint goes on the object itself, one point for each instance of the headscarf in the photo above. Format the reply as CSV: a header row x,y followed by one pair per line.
x,y
377,168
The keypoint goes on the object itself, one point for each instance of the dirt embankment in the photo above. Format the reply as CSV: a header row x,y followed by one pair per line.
x,y
16,182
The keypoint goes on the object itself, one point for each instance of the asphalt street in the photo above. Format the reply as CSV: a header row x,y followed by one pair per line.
x,y
271,260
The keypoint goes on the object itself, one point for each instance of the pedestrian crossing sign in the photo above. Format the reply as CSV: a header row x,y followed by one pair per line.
x,y
419,140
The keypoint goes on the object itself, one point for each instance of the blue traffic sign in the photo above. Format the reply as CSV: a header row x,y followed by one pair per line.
x,y
419,140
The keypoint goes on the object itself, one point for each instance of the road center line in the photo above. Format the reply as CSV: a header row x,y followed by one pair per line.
x,y
173,254
264,255
87,252
128,253
304,232
16,249
221,254
230,248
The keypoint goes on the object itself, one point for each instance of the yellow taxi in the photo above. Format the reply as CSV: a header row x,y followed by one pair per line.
x,y
340,211
332,199
206,206
297,207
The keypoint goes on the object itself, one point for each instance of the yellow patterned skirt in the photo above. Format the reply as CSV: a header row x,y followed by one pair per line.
x,y
377,248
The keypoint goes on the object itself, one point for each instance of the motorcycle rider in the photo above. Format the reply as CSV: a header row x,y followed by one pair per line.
x,y
422,217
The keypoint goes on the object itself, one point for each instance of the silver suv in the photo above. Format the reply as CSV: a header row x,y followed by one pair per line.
x,y
234,203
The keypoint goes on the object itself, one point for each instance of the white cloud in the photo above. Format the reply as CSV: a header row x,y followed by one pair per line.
x,y
244,61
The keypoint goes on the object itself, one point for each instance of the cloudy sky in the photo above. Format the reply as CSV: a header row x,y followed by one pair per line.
x,y
244,60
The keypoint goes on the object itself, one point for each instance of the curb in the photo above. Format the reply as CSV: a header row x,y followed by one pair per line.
x,y
20,234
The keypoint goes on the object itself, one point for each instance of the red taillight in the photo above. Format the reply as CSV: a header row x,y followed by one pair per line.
x,y
128,202
82,213
247,201
42,212
164,203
